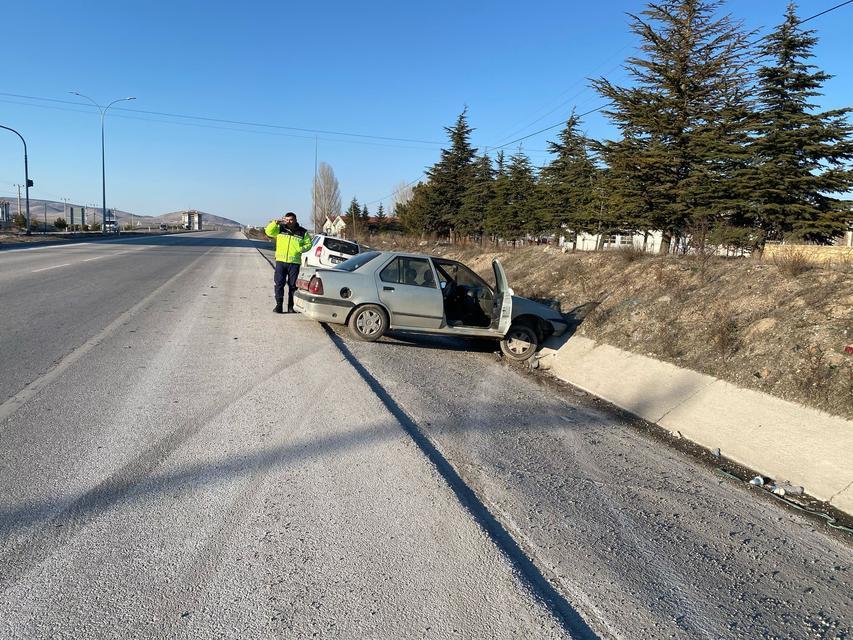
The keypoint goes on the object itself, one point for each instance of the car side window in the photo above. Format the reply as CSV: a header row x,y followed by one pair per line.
x,y
411,271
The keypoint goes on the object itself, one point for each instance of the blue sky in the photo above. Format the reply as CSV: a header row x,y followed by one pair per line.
x,y
393,69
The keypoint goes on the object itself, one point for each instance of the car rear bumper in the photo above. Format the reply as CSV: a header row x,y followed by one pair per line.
x,y
321,309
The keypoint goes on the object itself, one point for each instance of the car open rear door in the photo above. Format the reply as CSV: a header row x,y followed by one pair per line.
x,y
502,306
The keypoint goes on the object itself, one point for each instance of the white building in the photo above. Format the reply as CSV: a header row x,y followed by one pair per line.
x,y
334,228
650,242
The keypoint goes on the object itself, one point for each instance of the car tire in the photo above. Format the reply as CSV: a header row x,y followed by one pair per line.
x,y
520,342
368,323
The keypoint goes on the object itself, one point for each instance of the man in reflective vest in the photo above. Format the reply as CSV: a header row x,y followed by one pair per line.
x,y
290,241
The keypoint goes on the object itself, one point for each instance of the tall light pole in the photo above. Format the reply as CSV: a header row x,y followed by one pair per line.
x,y
103,112
27,181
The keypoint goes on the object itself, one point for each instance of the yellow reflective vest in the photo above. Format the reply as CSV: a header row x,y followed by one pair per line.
x,y
289,245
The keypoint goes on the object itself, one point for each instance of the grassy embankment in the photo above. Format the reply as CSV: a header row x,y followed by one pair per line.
x,y
779,326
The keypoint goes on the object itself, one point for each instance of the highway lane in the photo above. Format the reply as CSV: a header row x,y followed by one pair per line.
x,y
184,467
56,298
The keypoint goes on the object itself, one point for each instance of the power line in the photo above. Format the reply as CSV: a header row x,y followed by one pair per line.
x,y
213,126
817,15
408,184
227,121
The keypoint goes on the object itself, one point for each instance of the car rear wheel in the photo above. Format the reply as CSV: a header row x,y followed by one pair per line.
x,y
368,323
520,342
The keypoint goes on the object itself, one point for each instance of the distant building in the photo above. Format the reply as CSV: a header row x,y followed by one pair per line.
x,y
5,212
334,227
191,220
649,242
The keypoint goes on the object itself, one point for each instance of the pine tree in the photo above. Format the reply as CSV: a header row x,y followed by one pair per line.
x,y
567,185
802,155
523,215
498,213
381,218
477,198
351,216
414,214
449,178
365,215
682,117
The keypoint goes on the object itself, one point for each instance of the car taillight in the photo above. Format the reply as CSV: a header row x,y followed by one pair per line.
x,y
315,286
302,284
318,251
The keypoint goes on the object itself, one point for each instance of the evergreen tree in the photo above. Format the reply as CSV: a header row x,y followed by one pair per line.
x,y
449,178
567,185
498,213
682,116
477,198
414,214
801,154
381,218
365,216
523,215
351,216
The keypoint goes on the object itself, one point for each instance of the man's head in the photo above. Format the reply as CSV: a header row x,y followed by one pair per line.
x,y
290,219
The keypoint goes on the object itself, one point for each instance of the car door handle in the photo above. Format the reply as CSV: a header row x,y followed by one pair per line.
x,y
387,288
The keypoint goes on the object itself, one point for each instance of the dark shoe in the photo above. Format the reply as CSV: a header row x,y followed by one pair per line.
x,y
290,310
278,308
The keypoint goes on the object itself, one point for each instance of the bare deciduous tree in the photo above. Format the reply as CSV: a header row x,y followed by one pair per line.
x,y
325,197
402,194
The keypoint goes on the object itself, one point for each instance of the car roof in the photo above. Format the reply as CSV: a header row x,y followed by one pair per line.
x,y
325,235
410,254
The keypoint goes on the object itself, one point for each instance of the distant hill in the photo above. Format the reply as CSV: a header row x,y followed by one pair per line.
x,y
93,214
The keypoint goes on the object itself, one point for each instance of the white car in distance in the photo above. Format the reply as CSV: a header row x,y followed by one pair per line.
x,y
328,251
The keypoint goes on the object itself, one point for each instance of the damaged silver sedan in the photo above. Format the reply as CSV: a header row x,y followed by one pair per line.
x,y
378,291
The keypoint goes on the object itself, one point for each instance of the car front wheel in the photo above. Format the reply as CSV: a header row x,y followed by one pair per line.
x,y
520,342
368,323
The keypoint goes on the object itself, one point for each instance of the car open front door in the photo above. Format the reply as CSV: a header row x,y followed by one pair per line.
x,y
502,306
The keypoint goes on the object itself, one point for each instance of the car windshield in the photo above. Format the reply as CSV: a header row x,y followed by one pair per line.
x,y
353,264
341,246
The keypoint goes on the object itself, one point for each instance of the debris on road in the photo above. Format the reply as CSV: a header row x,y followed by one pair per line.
x,y
758,481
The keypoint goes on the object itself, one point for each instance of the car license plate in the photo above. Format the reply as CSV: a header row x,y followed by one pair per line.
x,y
337,260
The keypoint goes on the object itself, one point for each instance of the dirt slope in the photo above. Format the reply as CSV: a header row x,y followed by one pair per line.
x,y
759,325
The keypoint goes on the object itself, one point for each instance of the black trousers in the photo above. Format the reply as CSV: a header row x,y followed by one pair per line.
x,y
285,272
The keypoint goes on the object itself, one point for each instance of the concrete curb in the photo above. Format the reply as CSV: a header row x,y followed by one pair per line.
x,y
780,439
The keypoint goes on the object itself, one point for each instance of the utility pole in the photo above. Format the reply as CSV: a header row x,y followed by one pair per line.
x,y
19,197
44,229
103,112
65,211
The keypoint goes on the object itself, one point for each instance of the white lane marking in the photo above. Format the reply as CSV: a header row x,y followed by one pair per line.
x,y
24,395
56,266
98,258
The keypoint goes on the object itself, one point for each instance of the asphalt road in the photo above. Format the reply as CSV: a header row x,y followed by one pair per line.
x,y
177,461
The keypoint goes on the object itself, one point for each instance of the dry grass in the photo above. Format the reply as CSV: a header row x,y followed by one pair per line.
x,y
749,322
793,262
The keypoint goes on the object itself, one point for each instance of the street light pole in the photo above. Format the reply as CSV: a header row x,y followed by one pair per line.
x,y
103,112
26,175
